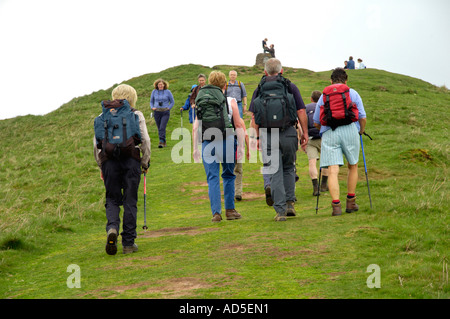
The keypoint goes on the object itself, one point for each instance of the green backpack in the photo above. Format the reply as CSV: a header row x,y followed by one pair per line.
x,y
275,107
212,109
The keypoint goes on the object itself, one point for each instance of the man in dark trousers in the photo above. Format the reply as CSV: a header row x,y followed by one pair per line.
x,y
282,175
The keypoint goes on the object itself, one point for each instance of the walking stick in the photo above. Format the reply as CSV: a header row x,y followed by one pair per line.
x,y
365,168
318,195
145,202
181,112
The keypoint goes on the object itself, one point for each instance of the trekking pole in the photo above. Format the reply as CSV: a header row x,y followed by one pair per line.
x,y
368,136
181,112
145,202
318,195
365,168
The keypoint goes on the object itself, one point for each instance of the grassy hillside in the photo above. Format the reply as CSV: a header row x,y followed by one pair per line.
x,y
52,207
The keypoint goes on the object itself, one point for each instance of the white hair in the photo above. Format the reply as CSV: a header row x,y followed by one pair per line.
x,y
273,66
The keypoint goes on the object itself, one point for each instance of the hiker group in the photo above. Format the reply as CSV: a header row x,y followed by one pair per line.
x,y
328,128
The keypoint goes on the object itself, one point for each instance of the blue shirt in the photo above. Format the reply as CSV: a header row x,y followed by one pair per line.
x,y
351,65
163,96
187,106
354,96
233,90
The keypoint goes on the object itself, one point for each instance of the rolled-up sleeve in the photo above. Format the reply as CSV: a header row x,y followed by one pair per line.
x,y
96,154
356,98
145,140
316,116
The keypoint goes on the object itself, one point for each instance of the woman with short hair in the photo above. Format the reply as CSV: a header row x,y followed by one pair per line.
x,y
161,102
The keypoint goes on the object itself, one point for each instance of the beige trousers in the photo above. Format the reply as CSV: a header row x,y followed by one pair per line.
x,y
238,182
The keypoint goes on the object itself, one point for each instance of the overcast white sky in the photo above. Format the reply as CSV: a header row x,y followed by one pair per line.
x,y
54,50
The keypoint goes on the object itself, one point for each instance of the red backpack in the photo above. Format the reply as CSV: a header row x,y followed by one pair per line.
x,y
338,108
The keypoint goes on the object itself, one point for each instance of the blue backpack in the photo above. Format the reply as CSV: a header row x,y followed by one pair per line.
x,y
117,130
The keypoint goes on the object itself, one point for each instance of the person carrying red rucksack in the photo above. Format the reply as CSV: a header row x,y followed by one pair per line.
x,y
340,116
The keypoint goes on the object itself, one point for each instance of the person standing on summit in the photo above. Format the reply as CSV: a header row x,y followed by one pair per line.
x,y
264,45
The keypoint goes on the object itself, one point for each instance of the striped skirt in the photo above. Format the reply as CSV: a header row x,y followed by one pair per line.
x,y
343,141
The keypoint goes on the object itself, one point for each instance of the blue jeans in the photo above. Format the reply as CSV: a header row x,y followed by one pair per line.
x,y
216,153
241,111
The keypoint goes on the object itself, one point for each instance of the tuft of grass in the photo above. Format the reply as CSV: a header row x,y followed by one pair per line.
x,y
13,242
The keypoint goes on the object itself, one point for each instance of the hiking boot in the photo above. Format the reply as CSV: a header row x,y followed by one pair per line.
x,y
290,208
337,210
351,205
111,242
130,249
315,187
160,145
216,217
269,200
323,184
232,214
238,198
280,217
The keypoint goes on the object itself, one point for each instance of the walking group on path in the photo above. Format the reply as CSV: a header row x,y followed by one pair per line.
x,y
328,128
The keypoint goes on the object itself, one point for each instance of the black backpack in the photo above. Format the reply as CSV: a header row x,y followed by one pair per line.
x,y
274,106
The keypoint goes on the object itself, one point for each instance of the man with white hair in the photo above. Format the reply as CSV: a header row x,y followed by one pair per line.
x,y
267,100
236,89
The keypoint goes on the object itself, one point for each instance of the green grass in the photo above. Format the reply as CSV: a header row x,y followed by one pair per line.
x,y
52,207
